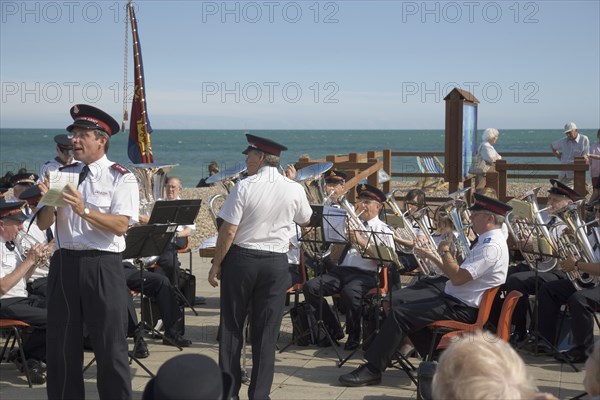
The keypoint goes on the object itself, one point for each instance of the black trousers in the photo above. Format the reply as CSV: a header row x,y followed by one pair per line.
x,y
38,289
28,310
252,280
352,284
424,288
582,305
87,287
525,283
158,287
411,319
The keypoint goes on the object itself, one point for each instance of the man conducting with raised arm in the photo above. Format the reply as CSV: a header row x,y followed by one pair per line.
x,y
251,261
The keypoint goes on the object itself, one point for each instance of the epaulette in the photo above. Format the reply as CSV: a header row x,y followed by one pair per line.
x,y
120,168
69,166
487,240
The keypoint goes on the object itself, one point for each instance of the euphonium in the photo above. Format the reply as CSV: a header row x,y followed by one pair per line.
x,y
575,243
461,243
151,180
428,267
405,231
353,220
24,242
533,229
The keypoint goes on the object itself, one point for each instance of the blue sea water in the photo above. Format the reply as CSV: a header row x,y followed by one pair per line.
x,y
193,150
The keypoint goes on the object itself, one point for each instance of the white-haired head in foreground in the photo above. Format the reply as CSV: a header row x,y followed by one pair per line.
x,y
481,366
490,134
591,381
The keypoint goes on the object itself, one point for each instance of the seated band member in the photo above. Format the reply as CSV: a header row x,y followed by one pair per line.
x,y
334,184
15,268
158,287
581,303
353,276
484,268
559,196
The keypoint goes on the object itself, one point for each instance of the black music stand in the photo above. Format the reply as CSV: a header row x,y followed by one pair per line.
x,y
178,212
534,333
322,232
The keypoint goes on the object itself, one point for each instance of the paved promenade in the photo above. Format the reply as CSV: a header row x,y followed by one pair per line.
x,y
300,372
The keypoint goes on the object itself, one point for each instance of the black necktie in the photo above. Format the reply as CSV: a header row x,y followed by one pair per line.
x,y
474,243
83,174
49,235
10,245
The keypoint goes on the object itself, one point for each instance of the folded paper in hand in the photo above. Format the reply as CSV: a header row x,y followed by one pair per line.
x,y
57,183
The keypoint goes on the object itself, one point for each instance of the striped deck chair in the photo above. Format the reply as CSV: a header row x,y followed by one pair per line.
x,y
430,165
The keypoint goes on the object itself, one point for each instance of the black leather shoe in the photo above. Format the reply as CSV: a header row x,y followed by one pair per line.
x,y
361,376
351,344
575,355
542,347
176,339
140,348
37,371
199,300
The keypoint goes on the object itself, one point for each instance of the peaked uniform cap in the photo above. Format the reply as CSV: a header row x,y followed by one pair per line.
x,y
484,203
263,144
63,140
24,178
366,190
560,189
12,210
334,176
89,117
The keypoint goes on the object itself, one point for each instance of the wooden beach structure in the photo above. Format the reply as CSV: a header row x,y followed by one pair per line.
x,y
451,172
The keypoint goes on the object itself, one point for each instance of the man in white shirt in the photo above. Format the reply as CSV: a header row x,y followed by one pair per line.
x,y
64,156
251,261
485,267
569,147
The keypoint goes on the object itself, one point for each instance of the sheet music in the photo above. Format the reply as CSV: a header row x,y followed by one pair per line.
x,y
57,183
334,224
521,209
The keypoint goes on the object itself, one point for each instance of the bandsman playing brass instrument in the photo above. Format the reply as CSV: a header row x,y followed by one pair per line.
x,y
484,268
582,303
353,275
559,196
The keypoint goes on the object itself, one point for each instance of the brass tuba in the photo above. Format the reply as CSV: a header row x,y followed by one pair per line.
x,y
575,243
311,179
151,181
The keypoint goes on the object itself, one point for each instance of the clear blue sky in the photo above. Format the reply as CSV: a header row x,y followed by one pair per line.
x,y
306,65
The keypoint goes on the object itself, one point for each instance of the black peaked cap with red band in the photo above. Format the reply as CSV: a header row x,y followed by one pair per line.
x,y
31,195
63,140
334,176
484,203
366,190
265,145
560,189
89,117
12,210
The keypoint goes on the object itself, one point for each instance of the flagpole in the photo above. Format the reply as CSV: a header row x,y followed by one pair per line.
x,y
143,136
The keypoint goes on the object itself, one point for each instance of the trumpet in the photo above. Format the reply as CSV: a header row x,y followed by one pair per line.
x,y
24,242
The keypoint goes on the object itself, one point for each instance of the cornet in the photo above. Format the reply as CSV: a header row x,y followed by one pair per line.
x,y
24,242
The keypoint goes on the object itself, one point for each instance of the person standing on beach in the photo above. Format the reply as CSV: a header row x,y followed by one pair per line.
x,y
86,283
569,147
251,262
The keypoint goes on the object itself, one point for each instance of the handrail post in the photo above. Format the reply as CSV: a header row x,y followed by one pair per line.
x,y
579,176
387,167
501,171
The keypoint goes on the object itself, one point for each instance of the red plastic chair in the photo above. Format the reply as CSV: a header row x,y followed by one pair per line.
x,y
453,328
14,328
